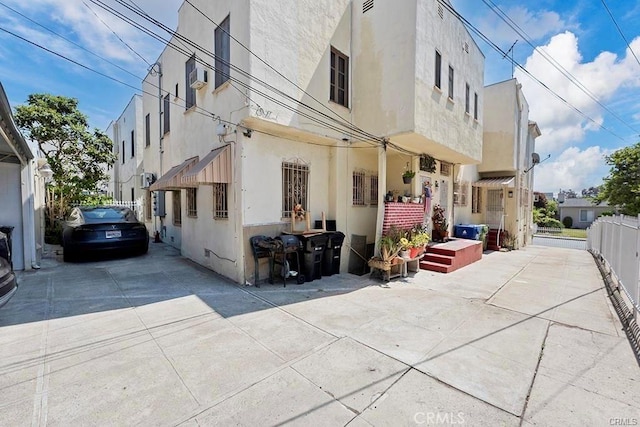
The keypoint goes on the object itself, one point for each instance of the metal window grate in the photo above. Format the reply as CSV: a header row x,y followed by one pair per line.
x,y
367,6
192,205
177,207
148,207
295,186
476,200
373,190
220,201
358,188
460,192
445,169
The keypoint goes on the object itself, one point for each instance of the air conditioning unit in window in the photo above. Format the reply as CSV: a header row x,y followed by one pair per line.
x,y
146,179
198,77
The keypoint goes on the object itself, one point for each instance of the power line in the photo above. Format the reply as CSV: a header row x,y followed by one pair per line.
x,y
523,69
115,34
522,33
620,31
179,37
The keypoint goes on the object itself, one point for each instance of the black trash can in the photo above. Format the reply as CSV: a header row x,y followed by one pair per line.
x,y
5,244
331,258
313,249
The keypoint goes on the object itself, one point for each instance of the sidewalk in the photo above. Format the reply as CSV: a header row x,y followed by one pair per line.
x,y
524,337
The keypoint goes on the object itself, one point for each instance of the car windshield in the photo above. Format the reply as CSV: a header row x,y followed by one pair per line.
x,y
105,214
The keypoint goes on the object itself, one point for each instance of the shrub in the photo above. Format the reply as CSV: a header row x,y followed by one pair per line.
x,y
567,221
550,223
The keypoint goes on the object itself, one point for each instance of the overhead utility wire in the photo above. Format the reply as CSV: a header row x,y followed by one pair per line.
x,y
342,122
116,34
203,112
70,41
547,88
522,33
269,65
620,31
235,68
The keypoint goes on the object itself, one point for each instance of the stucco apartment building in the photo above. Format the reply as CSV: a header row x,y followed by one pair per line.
x,y
264,105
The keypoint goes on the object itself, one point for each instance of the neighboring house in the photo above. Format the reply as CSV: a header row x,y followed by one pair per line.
x,y
582,211
17,181
349,99
502,184
128,144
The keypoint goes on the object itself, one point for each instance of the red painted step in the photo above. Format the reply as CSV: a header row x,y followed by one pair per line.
x,y
452,255
437,258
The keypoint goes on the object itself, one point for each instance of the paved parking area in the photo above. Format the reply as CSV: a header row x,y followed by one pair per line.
x,y
519,338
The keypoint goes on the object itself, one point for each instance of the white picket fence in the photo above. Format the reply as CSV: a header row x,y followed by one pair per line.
x,y
617,240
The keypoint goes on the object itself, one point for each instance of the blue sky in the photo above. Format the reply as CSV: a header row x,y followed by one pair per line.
x,y
579,35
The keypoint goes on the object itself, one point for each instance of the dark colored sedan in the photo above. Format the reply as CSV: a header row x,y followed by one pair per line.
x,y
103,228
8,283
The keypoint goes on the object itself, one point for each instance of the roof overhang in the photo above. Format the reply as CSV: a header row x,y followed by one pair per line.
x,y
214,168
172,180
503,181
13,147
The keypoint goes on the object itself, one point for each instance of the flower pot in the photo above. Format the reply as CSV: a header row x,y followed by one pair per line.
x,y
404,254
414,252
406,179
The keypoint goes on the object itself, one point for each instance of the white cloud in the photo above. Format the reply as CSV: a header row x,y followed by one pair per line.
x,y
535,25
572,169
603,77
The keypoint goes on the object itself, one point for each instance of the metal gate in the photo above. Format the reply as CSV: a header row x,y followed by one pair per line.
x,y
494,208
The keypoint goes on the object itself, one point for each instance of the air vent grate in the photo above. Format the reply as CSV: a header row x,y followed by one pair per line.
x,y
367,6
440,11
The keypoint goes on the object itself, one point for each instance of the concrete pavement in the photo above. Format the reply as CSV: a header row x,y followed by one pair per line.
x,y
519,338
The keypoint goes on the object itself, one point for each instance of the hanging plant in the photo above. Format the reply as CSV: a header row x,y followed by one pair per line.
x,y
427,163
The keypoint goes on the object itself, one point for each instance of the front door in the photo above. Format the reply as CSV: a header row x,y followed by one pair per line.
x,y
494,208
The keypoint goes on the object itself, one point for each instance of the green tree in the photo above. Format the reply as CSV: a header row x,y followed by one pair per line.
x,y
622,186
77,155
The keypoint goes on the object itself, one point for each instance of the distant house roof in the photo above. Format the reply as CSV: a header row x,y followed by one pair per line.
x,y
580,202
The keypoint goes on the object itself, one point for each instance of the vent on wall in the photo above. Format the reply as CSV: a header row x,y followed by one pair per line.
x,y
367,6
440,11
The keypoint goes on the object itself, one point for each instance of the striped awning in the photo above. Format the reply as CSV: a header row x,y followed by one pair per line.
x,y
215,167
172,180
503,181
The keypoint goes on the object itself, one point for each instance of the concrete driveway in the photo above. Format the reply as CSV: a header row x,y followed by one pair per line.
x,y
519,338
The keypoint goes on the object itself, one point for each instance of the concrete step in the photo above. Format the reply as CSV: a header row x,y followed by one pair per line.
x,y
439,259
434,266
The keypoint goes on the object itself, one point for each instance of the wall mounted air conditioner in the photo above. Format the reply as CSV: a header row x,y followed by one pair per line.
x,y
198,77
146,179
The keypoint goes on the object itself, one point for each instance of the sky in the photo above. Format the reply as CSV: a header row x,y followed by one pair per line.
x,y
582,82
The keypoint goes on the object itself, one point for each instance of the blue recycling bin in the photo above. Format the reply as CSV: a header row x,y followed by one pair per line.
x,y
468,231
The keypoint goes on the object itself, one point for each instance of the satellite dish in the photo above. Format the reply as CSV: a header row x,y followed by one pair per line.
x,y
535,158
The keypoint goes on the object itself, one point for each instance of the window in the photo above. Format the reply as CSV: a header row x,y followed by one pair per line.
x,y
295,187
373,190
177,90
190,93
445,169
122,154
466,98
222,51
133,144
438,82
166,115
586,215
177,208
476,199
358,190
192,205
220,207
339,90
147,130
475,106
147,205
450,82
133,196
460,193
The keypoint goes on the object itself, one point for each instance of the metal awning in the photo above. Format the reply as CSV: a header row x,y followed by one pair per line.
x,y
502,181
215,167
172,180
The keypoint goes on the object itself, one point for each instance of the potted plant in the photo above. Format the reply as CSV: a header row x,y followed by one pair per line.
x,y
407,176
440,224
418,239
390,246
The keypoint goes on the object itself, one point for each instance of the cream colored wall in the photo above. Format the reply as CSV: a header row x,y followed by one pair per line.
x,y
500,121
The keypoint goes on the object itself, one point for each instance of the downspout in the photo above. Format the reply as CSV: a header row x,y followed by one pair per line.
x,y
161,139
518,179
